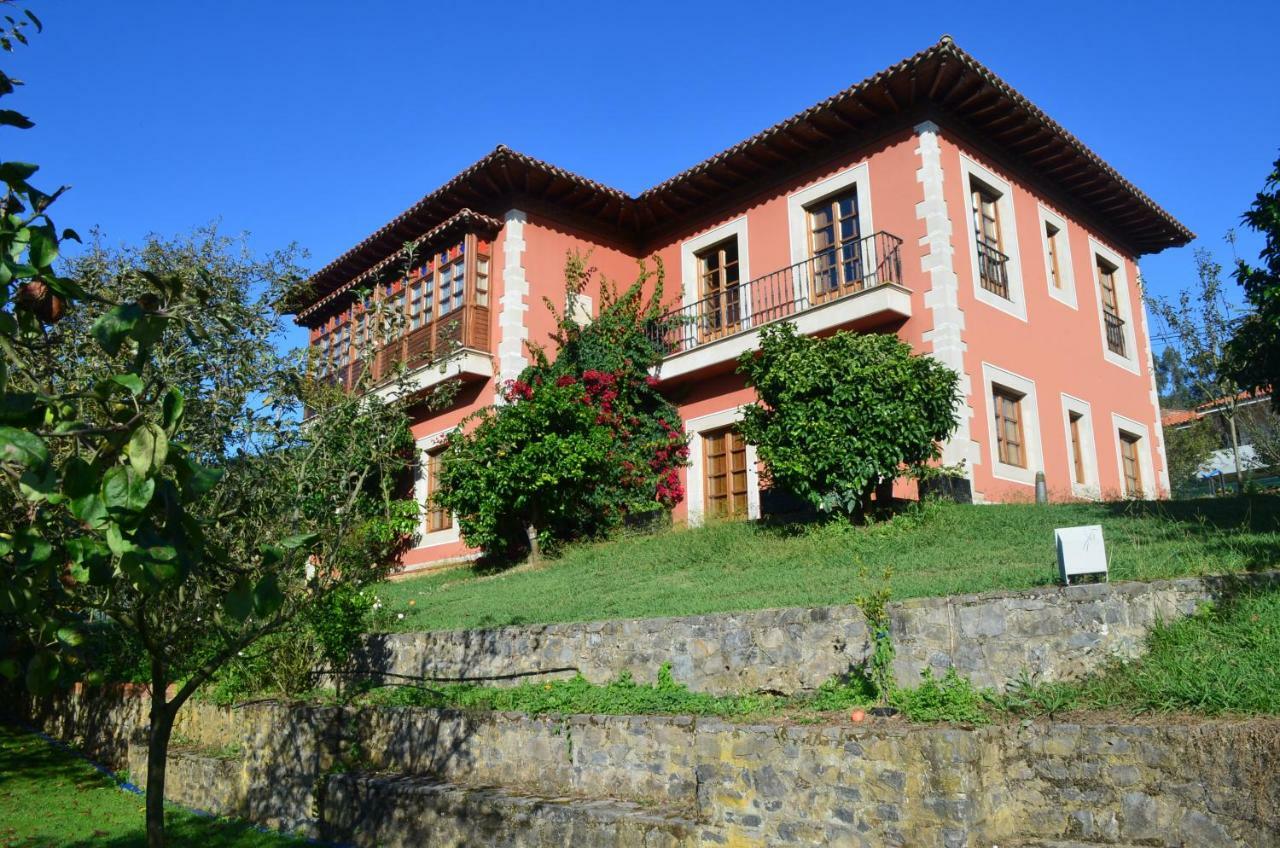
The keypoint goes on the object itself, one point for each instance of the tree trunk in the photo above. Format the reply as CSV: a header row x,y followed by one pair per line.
x,y
1235,451
162,715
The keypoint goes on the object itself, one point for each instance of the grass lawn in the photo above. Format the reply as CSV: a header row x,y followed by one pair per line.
x,y
50,797
937,549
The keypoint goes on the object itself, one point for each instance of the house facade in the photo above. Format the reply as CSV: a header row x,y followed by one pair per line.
x,y
930,200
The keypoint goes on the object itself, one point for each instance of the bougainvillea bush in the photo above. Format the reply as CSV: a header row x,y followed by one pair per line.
x,y
581,440
837,415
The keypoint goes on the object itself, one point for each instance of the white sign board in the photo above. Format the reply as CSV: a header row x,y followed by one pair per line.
x,y
1080,551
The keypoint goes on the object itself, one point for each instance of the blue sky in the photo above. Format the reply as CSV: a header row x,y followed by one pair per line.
x,y
317,122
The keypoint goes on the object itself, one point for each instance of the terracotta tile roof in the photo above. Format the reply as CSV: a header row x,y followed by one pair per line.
x,y
942,83
465,220
1175,417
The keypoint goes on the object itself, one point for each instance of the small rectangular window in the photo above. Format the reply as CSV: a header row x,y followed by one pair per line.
x,y
451,285
437,519
1052,248
720,291
482,280
1077,449
1010,445
725,472
1132,469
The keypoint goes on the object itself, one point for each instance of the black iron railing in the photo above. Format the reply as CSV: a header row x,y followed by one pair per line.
x,y
1115,332
831,275
993,273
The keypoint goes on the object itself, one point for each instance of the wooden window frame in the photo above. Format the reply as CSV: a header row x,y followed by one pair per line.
x,y
836,250
1130,463
436,519
1051,246
1077,447
720,310
733,500
1000,397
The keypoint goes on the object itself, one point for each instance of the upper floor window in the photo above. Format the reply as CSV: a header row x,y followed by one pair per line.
x,y
1010,445
421,299
1113,324
1053,248
719,289
988,235
452,283
835,243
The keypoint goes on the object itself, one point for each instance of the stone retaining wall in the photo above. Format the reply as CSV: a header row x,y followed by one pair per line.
x,y
1054,633
421,776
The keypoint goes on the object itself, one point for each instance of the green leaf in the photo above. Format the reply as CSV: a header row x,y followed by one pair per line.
x,y
16,172
147,448
196,480
132,382
125,490
70,637
9,668
174,405
8,117
42,673
23,448
239,601
113,327
116,541
294,542
271,554
267,597
44,247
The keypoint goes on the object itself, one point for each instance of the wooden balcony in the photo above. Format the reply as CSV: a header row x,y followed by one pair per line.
x,y
460,337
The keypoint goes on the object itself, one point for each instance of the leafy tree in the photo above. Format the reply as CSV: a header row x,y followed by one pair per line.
x,y
1171,381
1255,348
838,415
1187,448
582,440
1202,325
196,547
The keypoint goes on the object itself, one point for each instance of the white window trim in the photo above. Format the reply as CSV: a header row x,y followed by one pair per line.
x,y
859,176
1016,305
1090,488
695,428
440,537
1029,409
1066,294
1128,362
1150,485
690,249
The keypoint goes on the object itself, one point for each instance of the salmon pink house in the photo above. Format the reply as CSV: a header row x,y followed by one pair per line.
x,y
931,201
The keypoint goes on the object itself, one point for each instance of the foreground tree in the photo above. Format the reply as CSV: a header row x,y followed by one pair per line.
x,y
839,415
1187,449
582,440
1255,349
198,534
1202,325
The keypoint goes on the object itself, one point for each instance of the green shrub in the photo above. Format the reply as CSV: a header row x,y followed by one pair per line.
x,y
580,442
951,698
838,414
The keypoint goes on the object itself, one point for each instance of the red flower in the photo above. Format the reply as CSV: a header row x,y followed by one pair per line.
x,y
566,380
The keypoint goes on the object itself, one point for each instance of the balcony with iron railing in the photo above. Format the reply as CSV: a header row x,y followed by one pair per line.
x,y
1114,326
993,271
855,284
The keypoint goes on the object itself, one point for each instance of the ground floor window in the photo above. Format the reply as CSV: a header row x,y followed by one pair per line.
x,y
724,454
437,519
1131,469
1010,446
